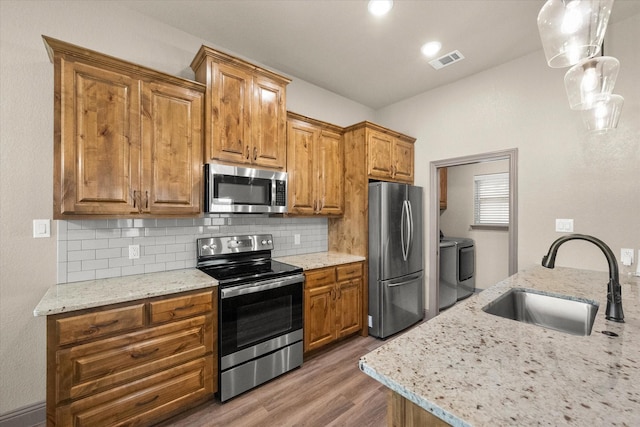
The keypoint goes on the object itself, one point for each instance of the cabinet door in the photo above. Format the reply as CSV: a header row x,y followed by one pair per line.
x,y
329,161
380,154
172,149
268,119
348,307
230,115
403,161
97,152
319,317
301,140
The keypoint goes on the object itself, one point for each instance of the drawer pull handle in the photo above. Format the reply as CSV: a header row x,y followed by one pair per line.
x,y
102,325
146,402
185,307
322,278
142,355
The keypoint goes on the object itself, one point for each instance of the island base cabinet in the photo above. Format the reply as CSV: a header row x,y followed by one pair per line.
x,y
402,412
146,401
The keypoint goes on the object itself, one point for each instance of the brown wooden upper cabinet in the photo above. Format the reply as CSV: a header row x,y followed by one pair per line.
x,y
127,139
245,111
315,165
389,155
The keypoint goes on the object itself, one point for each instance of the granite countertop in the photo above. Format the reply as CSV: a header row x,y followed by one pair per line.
x,y
94,293
471,368
320,259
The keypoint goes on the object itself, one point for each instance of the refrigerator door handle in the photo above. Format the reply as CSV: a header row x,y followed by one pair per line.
x,y
410,240
403,225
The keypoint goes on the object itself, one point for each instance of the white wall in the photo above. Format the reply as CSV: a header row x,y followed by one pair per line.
x,y
27,265
492,246
563,171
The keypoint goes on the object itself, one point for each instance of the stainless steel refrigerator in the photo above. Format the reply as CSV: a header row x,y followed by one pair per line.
x,y
396,262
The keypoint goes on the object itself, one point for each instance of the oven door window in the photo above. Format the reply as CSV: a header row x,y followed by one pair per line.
x,y
242,190
250,319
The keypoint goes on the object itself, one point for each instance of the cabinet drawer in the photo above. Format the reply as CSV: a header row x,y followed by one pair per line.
x,y
145,401
98,324
349,271
321,277
93,367
180,307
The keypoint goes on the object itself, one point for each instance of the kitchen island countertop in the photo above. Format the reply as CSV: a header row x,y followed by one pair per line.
x,y
67,297
470,368
320,259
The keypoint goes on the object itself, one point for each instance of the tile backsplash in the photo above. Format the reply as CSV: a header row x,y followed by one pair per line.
x,y
97,249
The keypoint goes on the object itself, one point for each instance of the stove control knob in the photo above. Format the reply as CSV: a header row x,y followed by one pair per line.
x,y
269,241
264,242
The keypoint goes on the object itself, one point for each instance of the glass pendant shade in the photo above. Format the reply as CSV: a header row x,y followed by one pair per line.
x,y
591,80
572,30
603,114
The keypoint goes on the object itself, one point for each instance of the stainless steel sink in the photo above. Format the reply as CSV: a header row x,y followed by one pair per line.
x,y
556,312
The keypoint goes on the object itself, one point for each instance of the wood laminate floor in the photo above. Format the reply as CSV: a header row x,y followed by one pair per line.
x,y
328,390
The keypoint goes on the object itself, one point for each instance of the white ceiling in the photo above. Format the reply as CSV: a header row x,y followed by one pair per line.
x,y
339,46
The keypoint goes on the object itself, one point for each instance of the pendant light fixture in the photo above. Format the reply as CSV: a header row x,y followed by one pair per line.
x,y
572,33
603,115
591,80
572,30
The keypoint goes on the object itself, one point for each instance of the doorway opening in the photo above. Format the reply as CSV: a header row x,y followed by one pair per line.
x,y
511,156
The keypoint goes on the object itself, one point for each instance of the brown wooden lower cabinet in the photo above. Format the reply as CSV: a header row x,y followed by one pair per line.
x,y
332,304
135,363
402,412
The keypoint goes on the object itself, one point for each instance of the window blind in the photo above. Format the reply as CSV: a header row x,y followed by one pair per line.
x,y
491,199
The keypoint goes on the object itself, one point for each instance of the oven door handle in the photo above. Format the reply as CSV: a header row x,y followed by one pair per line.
x,y
251,288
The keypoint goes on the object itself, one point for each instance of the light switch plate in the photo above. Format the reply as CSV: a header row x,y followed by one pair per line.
x,y
41,228
296,239
564,225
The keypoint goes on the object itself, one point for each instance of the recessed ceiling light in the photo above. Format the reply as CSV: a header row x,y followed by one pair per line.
x,y
431,48
380,7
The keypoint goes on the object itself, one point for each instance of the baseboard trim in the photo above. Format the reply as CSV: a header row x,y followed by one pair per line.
x,y
27,416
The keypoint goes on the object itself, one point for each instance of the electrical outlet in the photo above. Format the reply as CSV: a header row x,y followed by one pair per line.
x,y
134,251
564,225
296,239
626,256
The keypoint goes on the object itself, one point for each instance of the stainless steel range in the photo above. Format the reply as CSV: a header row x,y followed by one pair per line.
x,y
259,314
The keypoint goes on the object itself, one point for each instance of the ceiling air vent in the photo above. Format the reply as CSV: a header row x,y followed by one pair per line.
x,y
447,59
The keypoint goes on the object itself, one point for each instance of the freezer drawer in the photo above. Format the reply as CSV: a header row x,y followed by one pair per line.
x,y
395,304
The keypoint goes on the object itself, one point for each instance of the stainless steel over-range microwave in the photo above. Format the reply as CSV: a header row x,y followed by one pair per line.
x,y
232,189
